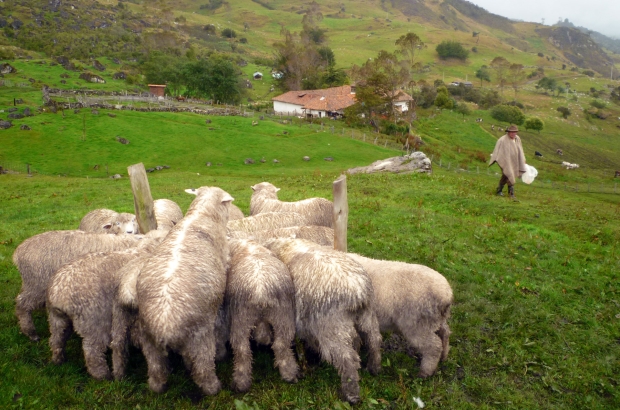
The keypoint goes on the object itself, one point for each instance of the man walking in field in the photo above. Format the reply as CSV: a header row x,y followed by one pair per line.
x,y
508,154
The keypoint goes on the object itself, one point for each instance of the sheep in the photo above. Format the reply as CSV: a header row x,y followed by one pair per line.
x,y
568,165
167,213
265,221
180,288
259,289
80,296
321,235
415,301
38,257
333,299
235,213
108,221
318,211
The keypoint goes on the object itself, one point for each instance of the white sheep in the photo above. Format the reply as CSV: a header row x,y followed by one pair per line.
x,y
321,235
266,221
38,257
568,165
80,296
415,301
167,213
259,290
318,211
180,289
235,213
333,300
108,221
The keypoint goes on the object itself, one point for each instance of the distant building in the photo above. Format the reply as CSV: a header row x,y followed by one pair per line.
x,y
157,90
328,102
258,76
401,101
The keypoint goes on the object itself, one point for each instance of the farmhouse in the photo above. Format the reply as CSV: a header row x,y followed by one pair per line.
x,y
329,102
401,101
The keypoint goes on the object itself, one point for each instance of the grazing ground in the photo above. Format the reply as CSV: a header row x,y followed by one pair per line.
x,y
535,322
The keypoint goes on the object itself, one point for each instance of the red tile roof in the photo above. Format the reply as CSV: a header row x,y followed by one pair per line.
x,y
328,99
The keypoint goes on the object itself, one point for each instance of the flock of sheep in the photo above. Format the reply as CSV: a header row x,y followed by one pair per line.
x,y
212,277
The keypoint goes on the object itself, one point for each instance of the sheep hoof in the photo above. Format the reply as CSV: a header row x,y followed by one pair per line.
x,y
157,387
241,386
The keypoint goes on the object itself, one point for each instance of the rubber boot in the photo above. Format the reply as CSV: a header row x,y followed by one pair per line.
x,y
500,188
511,191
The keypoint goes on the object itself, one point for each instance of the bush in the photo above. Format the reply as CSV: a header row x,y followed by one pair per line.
x,y
598,104
534,123
564,111
589,73
451,49
541,55
507,113
209,28
243,40
490,99
229,33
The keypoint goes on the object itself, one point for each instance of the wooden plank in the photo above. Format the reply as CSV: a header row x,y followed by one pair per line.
x,y
341,213
142,199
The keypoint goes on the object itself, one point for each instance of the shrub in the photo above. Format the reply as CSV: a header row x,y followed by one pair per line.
x,y
541,55
589,73
507,113
490,99
451,49
229,33
598,104
564,111
534,123
243,40
209,28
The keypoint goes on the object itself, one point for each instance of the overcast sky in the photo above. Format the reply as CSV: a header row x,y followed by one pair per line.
x,y
598,15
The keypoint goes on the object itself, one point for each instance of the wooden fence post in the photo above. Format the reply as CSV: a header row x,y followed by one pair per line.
x,y
142,199
341,213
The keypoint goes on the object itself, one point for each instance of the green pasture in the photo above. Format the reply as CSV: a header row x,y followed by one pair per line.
x,y
535,323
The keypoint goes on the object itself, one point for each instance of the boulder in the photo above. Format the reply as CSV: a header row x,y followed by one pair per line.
x,y
5,125
414,162
98,66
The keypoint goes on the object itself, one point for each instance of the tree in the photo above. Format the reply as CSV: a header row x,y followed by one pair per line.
x,y
547,83
508,113
443,99
483,74
229,33
408,45
297,59
161,68
214,78
379,81
451,49
500,65
534,123
516,74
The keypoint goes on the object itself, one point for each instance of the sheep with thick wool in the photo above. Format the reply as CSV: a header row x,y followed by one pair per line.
x,y
80,296
259,290
317,211
38,257
321,235
108,221
413,300
266,221
333,300
167,213
180,289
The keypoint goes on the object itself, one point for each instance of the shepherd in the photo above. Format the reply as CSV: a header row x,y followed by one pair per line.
x,y
508,154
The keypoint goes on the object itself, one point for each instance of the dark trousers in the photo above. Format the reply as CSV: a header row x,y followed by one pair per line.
x,y
504,181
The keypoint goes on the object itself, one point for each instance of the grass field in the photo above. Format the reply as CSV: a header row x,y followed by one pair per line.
x,y
535,319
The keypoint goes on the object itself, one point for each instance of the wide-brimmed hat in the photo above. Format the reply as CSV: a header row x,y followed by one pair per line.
x,y
512,128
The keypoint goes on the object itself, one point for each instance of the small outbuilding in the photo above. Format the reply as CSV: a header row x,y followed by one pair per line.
x,y
157,90
258,75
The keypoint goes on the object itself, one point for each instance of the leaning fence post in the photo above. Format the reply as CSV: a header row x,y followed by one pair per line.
x,y
341,213
142,199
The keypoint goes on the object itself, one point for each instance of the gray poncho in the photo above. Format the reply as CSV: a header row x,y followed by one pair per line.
x,y
509,156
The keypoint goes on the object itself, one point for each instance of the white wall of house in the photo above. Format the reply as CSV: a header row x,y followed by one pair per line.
x,y
318,114
285,108
403,106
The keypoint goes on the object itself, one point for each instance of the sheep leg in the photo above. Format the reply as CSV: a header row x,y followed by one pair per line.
x,y
23,311
120,341
241,328
428,344
444,335
60,331
339,351
368,326
157,365
94,355
284,333
199,350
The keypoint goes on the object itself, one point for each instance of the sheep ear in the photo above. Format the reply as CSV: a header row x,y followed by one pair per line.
x,y
277,189
107,226
227,198
192,191
253,187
